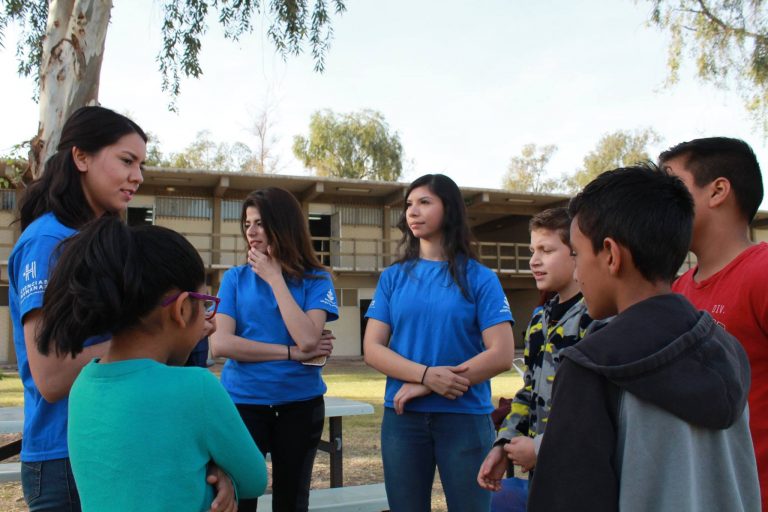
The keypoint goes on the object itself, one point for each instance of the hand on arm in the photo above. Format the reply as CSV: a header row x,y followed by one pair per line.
x,y
407,392
225,343
54,374
225,500
496,358
493,469
521,451
304,327
445,380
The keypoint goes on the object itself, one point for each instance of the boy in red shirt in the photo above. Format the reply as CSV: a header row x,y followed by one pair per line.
x,y
730,280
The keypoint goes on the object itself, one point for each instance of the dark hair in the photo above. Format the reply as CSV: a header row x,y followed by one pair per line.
x,y
553,219
59,189
286,228
457,237
721,157
646,210
109,276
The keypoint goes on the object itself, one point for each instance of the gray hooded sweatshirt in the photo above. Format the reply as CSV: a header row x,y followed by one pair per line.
x,y
649,415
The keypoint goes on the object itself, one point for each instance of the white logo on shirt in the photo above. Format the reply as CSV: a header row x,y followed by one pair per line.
x,y
329,299
372,304
30,271
505,308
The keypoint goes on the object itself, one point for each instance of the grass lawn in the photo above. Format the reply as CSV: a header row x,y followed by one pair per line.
x,y
362,450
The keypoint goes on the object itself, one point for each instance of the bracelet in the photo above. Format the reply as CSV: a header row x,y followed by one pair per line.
x,y
423,375
289,351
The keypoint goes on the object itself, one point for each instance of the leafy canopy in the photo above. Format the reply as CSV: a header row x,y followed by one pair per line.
x,y
293,22
527,172
617,149
728,42
357,145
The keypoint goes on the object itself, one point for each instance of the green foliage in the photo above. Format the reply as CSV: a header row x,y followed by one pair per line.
x,y
616,149
728,42
32,17
204,153
293,23
13,165
357,145
528,172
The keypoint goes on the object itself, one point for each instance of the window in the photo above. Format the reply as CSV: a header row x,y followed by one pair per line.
x,y
184,207
230,210
361,216
7,199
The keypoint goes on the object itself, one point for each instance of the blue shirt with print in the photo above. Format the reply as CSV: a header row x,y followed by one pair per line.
x,y
432,323
29,268
249,300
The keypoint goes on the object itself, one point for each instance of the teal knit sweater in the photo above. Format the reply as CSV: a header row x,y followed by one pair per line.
x,y
141,435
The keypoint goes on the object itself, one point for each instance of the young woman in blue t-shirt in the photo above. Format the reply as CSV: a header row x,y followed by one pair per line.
x,y
439,327
271,320
143,429
96,170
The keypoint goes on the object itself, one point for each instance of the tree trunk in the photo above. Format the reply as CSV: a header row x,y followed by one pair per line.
x,y
73,49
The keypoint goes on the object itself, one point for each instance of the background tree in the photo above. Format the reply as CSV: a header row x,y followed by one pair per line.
x,y
616,149
528,172
357,145
204,153
728,42
62,46
264,158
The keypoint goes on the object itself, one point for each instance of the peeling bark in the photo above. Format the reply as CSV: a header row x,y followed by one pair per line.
x,y
73,50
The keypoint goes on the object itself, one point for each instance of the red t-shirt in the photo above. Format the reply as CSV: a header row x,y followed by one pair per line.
x,y
737,298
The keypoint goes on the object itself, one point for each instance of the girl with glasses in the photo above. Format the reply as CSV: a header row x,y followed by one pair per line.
x,y
270,326
95,171
439,327
142,428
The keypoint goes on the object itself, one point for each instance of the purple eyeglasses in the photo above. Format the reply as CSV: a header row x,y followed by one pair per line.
x,y
210,302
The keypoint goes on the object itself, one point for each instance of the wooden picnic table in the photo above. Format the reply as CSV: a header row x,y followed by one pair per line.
x,y
12,421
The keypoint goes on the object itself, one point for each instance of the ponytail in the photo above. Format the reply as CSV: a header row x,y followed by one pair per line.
x,y
108,277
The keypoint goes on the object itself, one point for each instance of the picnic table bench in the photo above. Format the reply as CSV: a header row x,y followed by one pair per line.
x,y
12,421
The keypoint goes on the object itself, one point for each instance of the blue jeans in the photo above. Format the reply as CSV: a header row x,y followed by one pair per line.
x,y
414,443
49,486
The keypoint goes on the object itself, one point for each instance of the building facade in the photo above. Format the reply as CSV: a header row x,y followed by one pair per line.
x,y
353,224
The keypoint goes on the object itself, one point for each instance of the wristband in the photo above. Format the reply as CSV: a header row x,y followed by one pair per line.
x,y
423,375
289,351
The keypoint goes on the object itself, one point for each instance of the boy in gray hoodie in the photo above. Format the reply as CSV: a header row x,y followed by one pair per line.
x,y
649,412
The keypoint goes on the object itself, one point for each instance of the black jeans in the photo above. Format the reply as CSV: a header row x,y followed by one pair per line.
x,y
291,433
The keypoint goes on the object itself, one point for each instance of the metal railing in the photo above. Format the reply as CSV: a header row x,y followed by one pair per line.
x,y
364,255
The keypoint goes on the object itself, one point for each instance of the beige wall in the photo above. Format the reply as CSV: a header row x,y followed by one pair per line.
x,y
760,235
6,238
6,335
364,253
347,331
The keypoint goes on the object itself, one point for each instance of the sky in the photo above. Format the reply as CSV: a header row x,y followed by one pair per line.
x,y
465,84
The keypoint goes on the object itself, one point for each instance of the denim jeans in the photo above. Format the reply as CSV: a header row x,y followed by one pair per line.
x,y
413,444
49,486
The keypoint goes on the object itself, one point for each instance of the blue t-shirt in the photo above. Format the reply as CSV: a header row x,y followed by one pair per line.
x,y
433,324
249,300
29,267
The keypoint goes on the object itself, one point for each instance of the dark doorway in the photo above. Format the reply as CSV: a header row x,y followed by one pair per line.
x,y
141,216
364,303
320,226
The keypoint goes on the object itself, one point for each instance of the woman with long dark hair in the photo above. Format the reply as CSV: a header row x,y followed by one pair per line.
x,y
439,327
270,325
143,429
95,171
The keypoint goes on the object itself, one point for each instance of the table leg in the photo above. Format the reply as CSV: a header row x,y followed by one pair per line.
x,y
10,449
336,452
